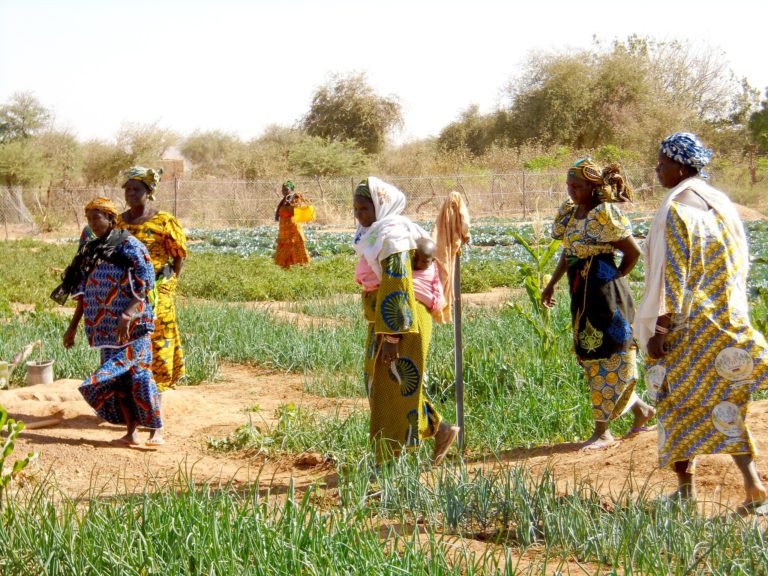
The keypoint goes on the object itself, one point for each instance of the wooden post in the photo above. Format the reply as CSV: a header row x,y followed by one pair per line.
x,y
459,350
175,195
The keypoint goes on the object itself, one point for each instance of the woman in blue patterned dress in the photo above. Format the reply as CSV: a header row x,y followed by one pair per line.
x,y
110,277
592,229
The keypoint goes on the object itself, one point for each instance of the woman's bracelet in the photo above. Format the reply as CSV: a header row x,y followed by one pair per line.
x,y
388,338
661,329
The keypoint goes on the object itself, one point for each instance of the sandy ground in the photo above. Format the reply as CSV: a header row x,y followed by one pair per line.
x,y
79,456
78,453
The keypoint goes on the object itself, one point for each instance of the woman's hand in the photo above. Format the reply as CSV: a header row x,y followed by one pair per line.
x,y
548,296
69,337
123,329
657,347
389,352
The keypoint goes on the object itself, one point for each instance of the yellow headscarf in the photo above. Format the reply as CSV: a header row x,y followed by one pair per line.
x,y
102,204
149,176
611,183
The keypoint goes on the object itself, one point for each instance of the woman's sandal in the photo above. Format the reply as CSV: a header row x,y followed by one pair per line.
x,y
635,430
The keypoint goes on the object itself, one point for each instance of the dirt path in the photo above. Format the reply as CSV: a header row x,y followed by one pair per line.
x,y
78,454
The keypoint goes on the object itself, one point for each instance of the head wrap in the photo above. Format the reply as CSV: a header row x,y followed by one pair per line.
x,y
150,177
363,190
289,185
102,204
686,148
610,183
391,232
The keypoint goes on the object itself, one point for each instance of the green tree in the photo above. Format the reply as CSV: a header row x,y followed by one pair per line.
x,y
103,162
629,95
315,156
144,143
473,131
758,126
21,164
211,153
347,108
63,157
22,117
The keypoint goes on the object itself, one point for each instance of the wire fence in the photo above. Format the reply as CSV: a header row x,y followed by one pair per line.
x,y
239,203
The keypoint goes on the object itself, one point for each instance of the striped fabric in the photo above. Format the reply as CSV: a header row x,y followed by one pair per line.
x,y
716,359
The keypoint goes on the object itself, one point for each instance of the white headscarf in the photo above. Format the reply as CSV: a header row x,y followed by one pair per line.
x,y
653,303
392,232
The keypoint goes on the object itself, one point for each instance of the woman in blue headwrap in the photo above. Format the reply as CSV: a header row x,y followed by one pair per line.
x,y
704,359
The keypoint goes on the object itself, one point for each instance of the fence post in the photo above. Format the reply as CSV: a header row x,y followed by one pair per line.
x,y
525,199
175,194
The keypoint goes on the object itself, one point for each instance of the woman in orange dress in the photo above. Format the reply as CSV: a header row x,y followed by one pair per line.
x,y
166,242
291,248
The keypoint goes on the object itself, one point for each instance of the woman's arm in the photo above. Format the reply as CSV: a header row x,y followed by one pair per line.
x,y
124,324
655,347
176,245
630,254
71,332
548,294
178,265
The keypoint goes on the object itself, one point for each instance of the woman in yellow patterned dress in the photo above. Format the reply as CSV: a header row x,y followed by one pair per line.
x,y
704,359
592,229
166,242
291,244
399,326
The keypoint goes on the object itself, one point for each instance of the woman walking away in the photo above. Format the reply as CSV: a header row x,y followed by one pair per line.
x,y
399,327
291,244
111,276
592,229
703,358
166,242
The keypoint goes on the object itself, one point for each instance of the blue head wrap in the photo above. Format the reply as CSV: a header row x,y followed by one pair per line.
x,y
687,149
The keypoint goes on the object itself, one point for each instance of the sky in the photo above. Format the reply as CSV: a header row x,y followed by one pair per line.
x,y
240,66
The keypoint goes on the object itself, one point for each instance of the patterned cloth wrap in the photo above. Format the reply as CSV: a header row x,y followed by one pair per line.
x,y
401,414
602,309
166,242
149,176
124,376
686,148
610,183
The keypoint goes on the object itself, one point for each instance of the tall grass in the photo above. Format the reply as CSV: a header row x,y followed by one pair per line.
x,y
514,395
390,520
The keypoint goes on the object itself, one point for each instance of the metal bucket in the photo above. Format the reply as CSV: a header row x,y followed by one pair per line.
x,y
5,374
40,372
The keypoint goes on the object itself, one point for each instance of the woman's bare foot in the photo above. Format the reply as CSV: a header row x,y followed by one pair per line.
x,y
599,441
757,495
755,503
127,440
643,414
